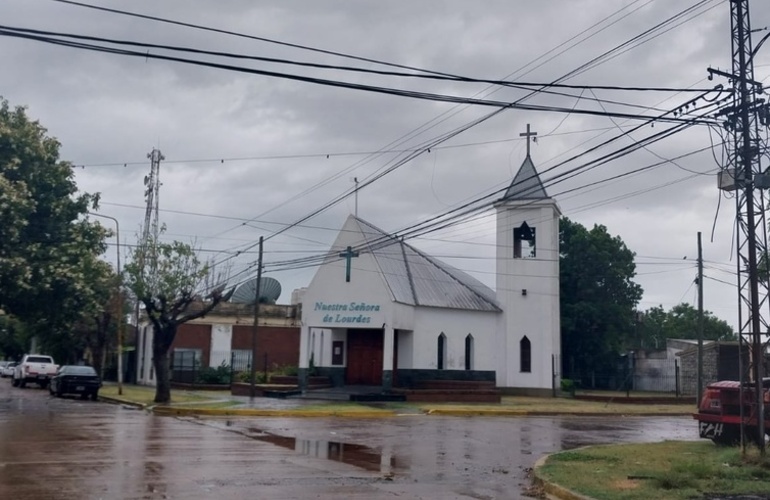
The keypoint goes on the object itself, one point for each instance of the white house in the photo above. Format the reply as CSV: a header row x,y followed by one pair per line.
x,y
380,312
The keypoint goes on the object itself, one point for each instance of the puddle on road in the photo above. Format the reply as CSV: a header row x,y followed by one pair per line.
x,y
357,455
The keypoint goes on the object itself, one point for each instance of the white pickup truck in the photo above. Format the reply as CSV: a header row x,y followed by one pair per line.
x,y
35,368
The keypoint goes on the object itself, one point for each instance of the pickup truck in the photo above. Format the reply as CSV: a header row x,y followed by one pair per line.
x,y
35,368
719,411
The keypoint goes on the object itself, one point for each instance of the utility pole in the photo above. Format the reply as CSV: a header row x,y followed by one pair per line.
x,y
119,313
257,293
700,321
742,120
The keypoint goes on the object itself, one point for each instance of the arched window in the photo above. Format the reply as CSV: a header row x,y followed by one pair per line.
x,y
440,362
525,351
469,352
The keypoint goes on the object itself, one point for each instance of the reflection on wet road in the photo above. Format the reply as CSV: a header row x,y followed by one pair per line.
x,y
62,449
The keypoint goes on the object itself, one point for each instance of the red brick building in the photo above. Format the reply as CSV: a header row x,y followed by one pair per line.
x,y
224,336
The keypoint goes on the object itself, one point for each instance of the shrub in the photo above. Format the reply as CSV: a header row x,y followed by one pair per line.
x,y
245,377
219,375
568,386
289,370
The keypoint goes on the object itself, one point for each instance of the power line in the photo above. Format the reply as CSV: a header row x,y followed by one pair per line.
x,y
429,75
335,83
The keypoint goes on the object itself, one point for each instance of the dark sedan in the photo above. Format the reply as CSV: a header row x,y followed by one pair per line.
x,y
73,379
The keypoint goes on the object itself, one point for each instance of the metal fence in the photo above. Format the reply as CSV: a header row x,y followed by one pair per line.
x,y
647,374
191,366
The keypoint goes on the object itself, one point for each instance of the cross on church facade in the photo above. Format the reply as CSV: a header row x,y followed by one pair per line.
x,y
348,254
528,134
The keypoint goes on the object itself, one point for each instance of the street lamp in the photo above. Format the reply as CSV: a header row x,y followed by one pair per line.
x,y
119,316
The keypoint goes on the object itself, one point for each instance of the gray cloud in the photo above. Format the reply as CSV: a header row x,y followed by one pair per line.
x,y
108,109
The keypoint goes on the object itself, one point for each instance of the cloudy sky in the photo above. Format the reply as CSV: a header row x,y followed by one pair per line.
x,y
246,155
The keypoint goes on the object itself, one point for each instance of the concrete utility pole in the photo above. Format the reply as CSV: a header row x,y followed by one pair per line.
x,y
257,293
743,119
119,312
700,321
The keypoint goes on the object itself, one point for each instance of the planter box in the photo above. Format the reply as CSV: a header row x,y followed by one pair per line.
x,y
294,380
244,389
200,387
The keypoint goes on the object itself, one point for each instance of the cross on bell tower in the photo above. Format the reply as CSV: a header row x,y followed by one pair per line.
x,y
528,134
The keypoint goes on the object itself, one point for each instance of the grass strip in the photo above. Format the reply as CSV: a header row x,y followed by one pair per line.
x,y
675,470
145,395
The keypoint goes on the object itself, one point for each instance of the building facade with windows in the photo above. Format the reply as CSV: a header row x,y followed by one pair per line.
x,y
224,337
380,312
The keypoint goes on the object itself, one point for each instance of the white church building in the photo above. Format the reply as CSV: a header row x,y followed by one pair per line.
x,y
380,312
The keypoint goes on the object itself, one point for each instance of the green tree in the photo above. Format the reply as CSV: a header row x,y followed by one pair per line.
x,y
13,337
598,298
652,328
44,238
98,324
681,322
168,278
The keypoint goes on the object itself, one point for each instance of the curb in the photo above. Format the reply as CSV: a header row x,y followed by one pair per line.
x,y
535,413
119,401
553,488
255,412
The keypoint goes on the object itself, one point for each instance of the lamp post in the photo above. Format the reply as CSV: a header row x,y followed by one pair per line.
x,y
120,303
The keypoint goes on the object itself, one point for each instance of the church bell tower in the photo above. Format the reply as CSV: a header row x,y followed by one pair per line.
x,y
529,335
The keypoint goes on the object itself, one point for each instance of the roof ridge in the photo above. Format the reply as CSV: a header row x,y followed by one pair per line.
x,y
409,273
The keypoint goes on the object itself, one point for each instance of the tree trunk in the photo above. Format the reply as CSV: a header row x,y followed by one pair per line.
x,y
102,358
162,376
163,337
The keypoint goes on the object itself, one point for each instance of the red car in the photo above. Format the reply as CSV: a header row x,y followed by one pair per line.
x,y
719,411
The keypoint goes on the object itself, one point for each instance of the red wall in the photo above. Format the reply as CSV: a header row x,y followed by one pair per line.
x,y
194,336
281,344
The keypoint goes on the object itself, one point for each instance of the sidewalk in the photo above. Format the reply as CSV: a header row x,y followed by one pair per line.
x,y
320,404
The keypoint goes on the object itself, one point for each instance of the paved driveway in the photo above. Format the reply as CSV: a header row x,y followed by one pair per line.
x,y
67,448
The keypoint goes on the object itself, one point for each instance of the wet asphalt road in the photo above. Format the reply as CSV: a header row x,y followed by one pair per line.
x,y
73,449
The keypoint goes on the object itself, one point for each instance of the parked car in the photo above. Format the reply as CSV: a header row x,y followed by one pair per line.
x,y
7,370
719,411
76,379
35,368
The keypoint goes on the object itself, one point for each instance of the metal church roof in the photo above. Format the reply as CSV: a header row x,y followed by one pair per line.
x,y
414,278
526,185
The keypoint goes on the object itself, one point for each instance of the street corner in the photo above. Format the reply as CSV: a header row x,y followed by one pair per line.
x,y
123,402
551,489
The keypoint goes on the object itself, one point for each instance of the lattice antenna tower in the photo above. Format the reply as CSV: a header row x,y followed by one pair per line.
x,y
151,228
743,119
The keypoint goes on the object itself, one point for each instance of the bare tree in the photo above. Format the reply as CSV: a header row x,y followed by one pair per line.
x,y
175,287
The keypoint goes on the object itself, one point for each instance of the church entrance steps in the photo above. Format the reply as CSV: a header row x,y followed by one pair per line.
x,y
455,384
359,393
454,391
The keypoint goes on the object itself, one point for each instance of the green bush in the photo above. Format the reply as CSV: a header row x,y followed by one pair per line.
x,y
289,370
219,375
568,386
245,377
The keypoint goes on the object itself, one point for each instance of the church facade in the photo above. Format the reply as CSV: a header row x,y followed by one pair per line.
x,y
380,312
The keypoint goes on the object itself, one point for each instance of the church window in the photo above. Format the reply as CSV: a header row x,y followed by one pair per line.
x,y
524,242
469,352
440,362
525,351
